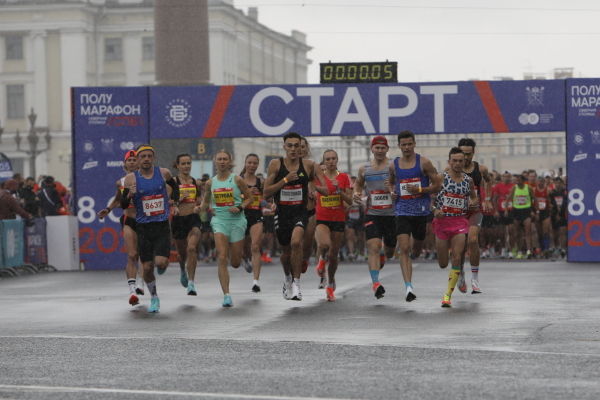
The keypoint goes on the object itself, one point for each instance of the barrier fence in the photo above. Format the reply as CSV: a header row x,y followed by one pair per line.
x,y
23,249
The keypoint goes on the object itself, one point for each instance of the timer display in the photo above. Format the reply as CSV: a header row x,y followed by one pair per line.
x,y
371,72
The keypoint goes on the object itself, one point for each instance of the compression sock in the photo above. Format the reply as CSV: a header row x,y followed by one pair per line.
x,y
453,278
131,283
152,289
474,272
297,281
374,276
408,285
288,278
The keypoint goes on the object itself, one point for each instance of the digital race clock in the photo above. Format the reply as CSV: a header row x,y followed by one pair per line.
x,y
371,72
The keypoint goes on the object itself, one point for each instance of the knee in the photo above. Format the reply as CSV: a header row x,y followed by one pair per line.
x,y
374,250
404,248
191,249
473,240
132,256
255,248
223,258
296,244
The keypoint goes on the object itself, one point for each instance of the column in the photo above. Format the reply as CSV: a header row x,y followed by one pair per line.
x,y
73,58
40,84
132,52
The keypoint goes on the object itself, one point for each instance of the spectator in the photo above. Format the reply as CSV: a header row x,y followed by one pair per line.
x,y
9,207
28,199
50,201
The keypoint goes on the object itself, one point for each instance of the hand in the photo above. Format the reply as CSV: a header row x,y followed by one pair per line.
x,y
437,213
506,214
255,190
273,206
132,189
356,197
29,222
394,196
103,213
412,189
234,210
292,176
487,206
497,215
175,211
312,196
186,194
336,185
197,210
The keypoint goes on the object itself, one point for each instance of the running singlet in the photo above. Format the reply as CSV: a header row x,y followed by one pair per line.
x,y
453,198
476,175
226,194
522,198
291,199
379,199
190,187
542,199
257,197
503,191
407,203
122,189
331,208
150,200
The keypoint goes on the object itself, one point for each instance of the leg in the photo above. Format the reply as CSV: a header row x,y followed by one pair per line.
x,y
297,251
457,243
256,233
222,244
309,238
336,242
405,261
527,224
192,259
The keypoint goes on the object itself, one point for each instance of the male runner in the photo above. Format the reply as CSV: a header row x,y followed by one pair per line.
x,y
148,188
502,204
287,181
379,214
414,179
523,199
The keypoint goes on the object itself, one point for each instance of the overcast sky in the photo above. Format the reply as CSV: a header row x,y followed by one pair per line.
x,y
441,40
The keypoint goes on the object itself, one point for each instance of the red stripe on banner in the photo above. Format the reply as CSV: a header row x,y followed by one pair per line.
x,y
491,106
218,112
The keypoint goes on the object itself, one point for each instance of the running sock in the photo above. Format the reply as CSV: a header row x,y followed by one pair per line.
x,y
374,276
288,278
255,282
297,281
152,289
190,281
131,283
453,278
474,272
408,285
330,285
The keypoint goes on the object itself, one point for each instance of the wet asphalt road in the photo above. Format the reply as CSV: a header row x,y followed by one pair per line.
x,y
532,334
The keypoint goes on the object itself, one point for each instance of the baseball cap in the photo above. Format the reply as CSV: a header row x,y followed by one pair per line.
x,y
379,140
130,153
547,175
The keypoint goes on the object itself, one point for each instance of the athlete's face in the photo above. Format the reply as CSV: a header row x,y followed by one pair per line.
x,y
330,159
541,182
185,165
559,184
532,177
292,148
379,151
145,159
222,161
469,153
506,178
407,146
457,162
251,164
303,149
131,164
520,181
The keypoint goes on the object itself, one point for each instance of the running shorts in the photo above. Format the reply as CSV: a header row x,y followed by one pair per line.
x,y
234,229
154,239
334,226
415,225
182,225
381,226
130,222
285,224
447,227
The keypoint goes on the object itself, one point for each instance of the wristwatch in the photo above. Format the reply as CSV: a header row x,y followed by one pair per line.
x,y
432,208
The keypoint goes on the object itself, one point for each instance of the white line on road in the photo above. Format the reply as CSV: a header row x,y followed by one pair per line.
x,y
70,389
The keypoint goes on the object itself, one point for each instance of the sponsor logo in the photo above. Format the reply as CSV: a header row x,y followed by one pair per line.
x,y
107,145
126,145
535,96
578,139
178,113
532,118
597,156
88,146
90,164
595,137
300,224
580,157
11,243
114,163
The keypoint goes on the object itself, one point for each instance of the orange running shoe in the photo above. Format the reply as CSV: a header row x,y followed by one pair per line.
x,y
382,260
378,289
321,267
264,256
304,266
133,299
330,296
446,302
268,260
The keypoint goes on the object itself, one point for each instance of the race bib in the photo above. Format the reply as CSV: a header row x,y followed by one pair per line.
x,y
542,203
381,200
223,197
559,201
153,205
330,201
291,195
521,200
476,189
191,188
404,194
256,203
453,203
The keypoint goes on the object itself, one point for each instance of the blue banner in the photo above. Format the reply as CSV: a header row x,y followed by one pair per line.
x,y
331,110
583,159
12,242
107,122
5,168
36,249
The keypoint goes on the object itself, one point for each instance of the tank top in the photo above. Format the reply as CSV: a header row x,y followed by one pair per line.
x,y
190,187
226,194
453,198
407,203
123,189
522,198
476,175
255,209
150,200
541,197
331,208
379,199
292,198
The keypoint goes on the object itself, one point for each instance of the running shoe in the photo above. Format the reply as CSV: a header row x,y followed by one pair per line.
x,y
304,266
350,257
410,296
519,256
475,286
247,266
378,289
382,261
323,283
329,291
462,284
183,278
160,271
256,288
269,260
529,255
227,302
133,300
264,256
296,295
154,305
287,290
191,289
446,302
504,253
139,290
321,267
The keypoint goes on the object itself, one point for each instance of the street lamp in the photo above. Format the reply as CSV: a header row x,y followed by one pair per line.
x,y
33,140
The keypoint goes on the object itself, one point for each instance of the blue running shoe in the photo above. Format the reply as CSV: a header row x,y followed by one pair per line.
x,y
183,278
227,302
160,271
191,289
154,305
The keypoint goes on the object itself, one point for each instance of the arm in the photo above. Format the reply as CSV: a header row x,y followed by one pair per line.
x,y
12,204
346,193
113,204
128,191
473,194
206,199
246,195
168,177
320,178
272,187
359,185
534,203
511,194
487,203
495,203
434,179
437,213
391,184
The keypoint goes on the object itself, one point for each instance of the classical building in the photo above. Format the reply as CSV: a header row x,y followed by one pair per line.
x,y
48,46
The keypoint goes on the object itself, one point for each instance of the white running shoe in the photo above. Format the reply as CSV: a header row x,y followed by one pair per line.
x,y
296,295
462,285
323,282
287,290
475,286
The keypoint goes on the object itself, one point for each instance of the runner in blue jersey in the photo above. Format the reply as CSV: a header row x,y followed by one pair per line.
x,y
414,179
148,188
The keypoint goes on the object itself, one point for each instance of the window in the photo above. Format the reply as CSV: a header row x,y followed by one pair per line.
x,y
14,47
147,48
113,49
15,101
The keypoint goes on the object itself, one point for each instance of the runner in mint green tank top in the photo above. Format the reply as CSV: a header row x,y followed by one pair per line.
x,y
229,196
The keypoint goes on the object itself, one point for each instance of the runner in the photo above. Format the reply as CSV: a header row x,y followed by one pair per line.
x,y
523,200
147,188
287,180
225,191
186,225
543,222
478,172
254,216
504,224
128,225
331,219
414,179
559,199
379,215
355,228
309,232
450,225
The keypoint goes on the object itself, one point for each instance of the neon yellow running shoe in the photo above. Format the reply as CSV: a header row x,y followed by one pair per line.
x,y
446,302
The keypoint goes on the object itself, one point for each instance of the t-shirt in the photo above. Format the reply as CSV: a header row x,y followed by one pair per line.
x,y
331,208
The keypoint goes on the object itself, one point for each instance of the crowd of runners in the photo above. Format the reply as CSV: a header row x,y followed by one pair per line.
x,y
400,208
